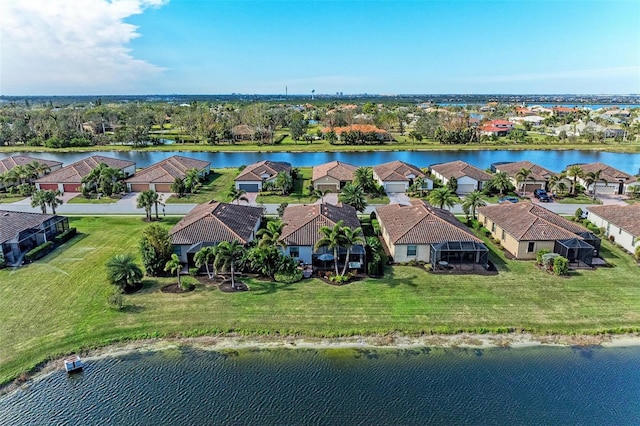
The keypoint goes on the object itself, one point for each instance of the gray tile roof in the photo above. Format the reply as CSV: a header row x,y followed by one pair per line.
x,y
12,223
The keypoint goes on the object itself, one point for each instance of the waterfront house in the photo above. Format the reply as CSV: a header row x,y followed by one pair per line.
x,y
253,177
332,176
523,229
69,178
159,176
620,223
537,179
301,232
612,180
7,164
211,223
425,233
20,232
497,128
380,134
469,178
398,176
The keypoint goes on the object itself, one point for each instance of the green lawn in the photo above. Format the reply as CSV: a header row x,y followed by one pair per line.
x,y
216,187
54,306
84,200
578,199
8,198
299,194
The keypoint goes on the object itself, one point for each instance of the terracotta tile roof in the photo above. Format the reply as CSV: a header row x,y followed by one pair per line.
x,y
12,223
494,129
336,169
538,173
74,173
460,169
364,128
303,222
624,217
608,173
530,222
214,222
9,163
254,172
396,171
500,123
166,171
420,223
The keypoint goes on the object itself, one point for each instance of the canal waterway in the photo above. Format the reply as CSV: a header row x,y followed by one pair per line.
x,y
553,160
538,385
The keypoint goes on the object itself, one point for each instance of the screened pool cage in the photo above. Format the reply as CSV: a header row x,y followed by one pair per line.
x,y
575,250
461,255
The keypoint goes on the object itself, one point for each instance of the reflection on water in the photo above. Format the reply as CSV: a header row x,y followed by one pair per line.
x,y
341,386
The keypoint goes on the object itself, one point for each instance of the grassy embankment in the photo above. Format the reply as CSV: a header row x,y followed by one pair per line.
x,y
58,305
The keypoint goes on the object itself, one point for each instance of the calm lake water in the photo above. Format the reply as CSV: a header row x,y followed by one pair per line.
x,y
553,160
542,385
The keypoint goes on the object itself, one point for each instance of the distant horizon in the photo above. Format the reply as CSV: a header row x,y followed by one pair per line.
x,y
356,47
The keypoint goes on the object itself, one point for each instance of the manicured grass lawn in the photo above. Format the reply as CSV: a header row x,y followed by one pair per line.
x,y
578,199
8,198
59,304
216,187
84,200
299,194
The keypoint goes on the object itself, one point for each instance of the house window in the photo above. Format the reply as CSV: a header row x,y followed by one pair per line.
x,y
412,250
531,247
503,235
493,227
294,251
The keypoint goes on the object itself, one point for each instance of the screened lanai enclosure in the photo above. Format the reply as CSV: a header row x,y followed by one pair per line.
x,y
575,250
460,255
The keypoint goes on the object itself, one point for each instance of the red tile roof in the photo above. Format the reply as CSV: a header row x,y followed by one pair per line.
x,y
74,173
166,171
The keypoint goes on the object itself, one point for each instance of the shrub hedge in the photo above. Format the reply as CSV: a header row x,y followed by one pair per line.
x,y
38,252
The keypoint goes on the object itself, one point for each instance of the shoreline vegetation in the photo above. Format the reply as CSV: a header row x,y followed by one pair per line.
x,y
236,342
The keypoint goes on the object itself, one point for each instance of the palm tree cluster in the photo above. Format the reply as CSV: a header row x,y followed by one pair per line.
x,y
339,236
355,193
21,176
103,179
43,198
147,200
191,183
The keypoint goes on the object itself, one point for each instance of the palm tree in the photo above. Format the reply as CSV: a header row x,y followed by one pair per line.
x,y
177,187
442,197
284,182
174,267
592,178
521,177
237,195
51,198
102,179
154,198
472,201
37,169
363,176
351,238
145,201
354,196
333,238
501,182
227,255
191,180
574,172
206,256
38,199
320,194
270,235
123,272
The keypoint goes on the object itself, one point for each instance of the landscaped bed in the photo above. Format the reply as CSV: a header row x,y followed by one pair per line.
x,y
58,304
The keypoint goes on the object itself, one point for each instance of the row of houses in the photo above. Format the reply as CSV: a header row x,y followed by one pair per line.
x,y
394,176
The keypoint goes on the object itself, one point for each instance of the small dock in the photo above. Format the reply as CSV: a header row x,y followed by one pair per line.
x,y
73,364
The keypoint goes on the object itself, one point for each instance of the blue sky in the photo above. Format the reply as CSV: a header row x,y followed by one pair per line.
x,y
385,47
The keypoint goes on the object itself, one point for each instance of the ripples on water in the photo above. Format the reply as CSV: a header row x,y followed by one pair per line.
x,y
340,386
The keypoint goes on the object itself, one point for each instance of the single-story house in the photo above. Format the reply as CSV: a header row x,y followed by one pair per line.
x,y
398,176
380,134
469,178
255,175
497,128
6,164
159,176
621,223
613,181
429,234
301,231
523,229
211,223
20,232
537,179
242,132
69,178
332,176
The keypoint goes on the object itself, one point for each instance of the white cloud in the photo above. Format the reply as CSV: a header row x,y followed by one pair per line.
x,y
70,46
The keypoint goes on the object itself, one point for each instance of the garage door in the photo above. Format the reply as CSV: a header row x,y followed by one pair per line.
x,y
163,187
466,188
328,187
52,186
71,187
395,187
609,189
529,187
249,187
139,187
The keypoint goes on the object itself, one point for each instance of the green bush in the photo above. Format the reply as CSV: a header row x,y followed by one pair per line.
x,y
560,265
578,213
288,277
116,300
193,271
540,254
65,236
548,259
340,279
38,252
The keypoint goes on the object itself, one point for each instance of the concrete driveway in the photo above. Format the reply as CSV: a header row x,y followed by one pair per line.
x,y
612,200
399,198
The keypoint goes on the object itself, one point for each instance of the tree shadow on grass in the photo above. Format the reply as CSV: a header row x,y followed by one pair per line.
x,y
271,287
133,309
394,282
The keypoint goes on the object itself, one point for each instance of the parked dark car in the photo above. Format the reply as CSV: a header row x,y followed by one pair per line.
x,y
508,200
541,195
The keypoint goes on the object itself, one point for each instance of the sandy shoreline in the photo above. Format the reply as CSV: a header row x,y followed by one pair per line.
x,y
391,341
